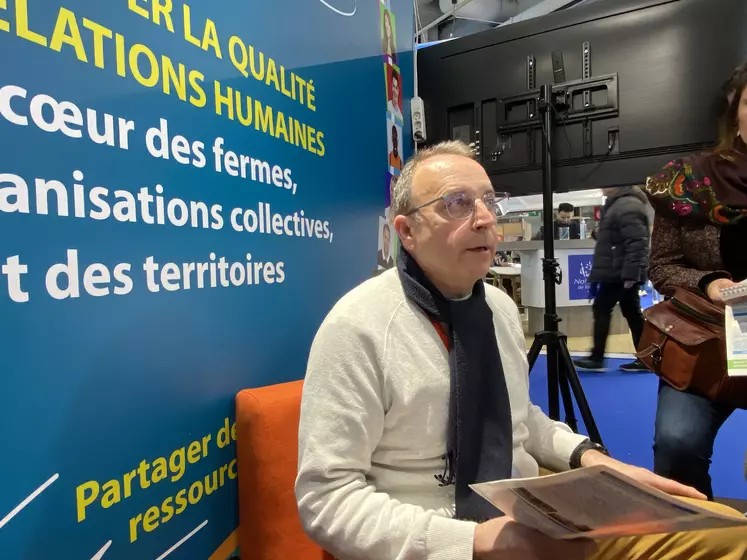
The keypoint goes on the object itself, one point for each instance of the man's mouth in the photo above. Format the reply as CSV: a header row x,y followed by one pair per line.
x,y
479,249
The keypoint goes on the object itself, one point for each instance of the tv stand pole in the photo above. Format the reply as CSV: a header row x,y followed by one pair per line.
x,y
561,373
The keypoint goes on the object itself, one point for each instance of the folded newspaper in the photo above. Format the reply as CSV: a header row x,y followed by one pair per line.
x,y
597,502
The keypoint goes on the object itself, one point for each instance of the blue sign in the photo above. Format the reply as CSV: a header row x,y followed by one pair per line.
x,y
579,270
186,188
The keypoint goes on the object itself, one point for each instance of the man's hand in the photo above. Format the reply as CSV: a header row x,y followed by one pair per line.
x,y
713,290
644,476
505,539
629,284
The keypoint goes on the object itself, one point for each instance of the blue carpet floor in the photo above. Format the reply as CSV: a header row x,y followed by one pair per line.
x,y
624,408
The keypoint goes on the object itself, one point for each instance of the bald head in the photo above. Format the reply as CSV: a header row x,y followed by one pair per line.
x,y
443,172
402,191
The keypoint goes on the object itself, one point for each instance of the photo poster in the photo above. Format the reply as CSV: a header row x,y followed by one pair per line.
x,y
393,92
385,256
390,183
388,28
398,132
394,145
164,199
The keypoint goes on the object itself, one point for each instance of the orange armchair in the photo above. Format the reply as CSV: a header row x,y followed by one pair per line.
x,y
267,448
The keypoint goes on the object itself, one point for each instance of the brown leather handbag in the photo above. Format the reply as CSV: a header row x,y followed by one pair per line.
x,y
684,343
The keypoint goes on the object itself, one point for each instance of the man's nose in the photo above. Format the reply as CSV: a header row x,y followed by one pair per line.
x,y
483,217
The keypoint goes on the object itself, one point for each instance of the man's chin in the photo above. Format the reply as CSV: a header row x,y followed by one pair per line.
x,y
480,269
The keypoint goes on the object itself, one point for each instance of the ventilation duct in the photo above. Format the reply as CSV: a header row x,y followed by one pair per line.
x,y
486,10
479,15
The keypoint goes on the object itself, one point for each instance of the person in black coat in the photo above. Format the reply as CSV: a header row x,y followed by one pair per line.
x,y
620,267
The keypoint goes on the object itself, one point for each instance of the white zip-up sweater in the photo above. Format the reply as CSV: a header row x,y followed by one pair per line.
x,y
373,428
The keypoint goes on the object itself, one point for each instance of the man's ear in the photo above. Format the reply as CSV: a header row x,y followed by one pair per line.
x,y
403,227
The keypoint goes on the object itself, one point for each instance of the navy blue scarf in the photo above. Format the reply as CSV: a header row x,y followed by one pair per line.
x,y
479,445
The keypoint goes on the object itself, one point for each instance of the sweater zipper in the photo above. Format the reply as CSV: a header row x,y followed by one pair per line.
x,y
687,310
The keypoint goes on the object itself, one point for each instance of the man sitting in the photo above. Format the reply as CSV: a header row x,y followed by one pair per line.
x,y
417,386
563,222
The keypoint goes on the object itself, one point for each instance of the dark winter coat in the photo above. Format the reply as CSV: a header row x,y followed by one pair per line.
x,y
622,250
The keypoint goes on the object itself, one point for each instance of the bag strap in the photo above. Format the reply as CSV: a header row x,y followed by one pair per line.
x,y
653,352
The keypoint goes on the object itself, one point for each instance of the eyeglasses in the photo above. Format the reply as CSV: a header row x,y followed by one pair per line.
x,y
461,205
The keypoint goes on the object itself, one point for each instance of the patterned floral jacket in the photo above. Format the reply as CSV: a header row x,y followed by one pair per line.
x,y
684,250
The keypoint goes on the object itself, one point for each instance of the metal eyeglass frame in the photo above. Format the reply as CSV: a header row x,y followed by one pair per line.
x,y
499,197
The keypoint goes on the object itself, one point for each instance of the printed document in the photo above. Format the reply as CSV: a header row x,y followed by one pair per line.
x,y
597,502
736,339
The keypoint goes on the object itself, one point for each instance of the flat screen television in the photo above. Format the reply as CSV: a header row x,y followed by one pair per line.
x,y
667,58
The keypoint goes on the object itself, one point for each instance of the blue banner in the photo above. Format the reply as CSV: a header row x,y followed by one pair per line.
x,y
579,270
185,191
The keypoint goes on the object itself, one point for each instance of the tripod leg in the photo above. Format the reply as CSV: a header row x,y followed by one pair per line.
x,y
578,392
552,380
565,392
534,351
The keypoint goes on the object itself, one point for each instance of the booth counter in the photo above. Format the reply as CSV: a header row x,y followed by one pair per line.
x,y
575,258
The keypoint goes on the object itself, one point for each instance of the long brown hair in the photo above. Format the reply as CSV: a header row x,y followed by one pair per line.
x,y
729,124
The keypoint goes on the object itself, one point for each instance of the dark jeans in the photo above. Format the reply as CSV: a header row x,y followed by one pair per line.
x,y
686,427
609,295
